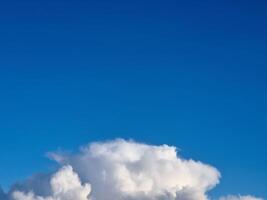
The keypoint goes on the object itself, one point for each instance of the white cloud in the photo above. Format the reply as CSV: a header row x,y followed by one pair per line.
x,y
129,170
123,170
65,185
247,197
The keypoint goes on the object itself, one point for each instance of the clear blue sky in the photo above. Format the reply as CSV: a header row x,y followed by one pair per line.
x,y
187,73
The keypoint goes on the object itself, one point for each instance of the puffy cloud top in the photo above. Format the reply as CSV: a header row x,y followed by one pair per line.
x,y
123,170
65,185
130,170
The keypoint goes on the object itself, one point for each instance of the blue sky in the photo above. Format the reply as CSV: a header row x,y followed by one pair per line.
x,y
191,74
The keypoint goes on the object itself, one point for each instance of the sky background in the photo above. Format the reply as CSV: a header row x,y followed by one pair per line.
x,y
187,73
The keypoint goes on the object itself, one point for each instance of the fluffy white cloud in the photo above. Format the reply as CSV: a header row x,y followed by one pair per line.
x,y
128,170
123,170
65,185
247,197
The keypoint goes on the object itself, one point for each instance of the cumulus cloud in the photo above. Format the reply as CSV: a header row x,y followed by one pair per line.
x,y
65,185
123,170
247,197
129,170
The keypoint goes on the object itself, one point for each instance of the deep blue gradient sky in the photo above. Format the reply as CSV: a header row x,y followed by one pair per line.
x,y
187,73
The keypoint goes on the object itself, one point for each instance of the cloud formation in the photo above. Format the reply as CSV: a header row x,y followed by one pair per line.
x,y
65,185
232,197
123,170
129,170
